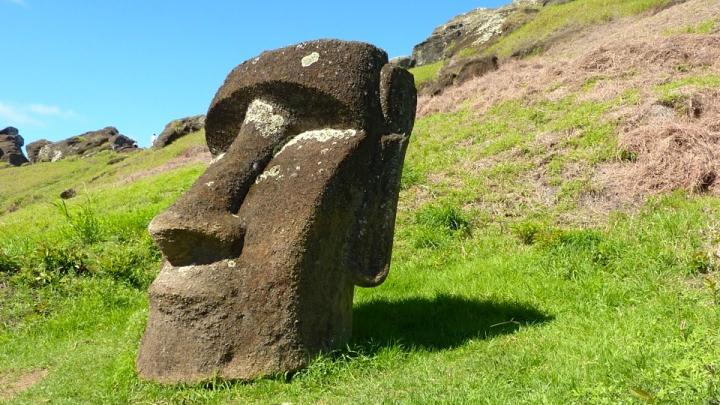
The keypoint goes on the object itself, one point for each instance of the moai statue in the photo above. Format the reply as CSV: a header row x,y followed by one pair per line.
x,y
263,252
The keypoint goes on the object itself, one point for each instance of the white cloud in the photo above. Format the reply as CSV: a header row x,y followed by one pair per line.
x,y
16,116
18,2
51,111
32,115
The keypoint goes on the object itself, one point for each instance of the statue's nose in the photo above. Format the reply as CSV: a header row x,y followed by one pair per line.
x,y
201,227
186,238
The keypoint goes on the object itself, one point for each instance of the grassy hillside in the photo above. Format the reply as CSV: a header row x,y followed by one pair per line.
x,y
551,24
554,21
516,276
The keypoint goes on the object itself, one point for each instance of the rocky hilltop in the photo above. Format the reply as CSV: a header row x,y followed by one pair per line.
x,y
11,147
176,129
86,144
475,28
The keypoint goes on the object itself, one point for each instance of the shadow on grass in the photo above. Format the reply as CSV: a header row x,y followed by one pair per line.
x,y
442,322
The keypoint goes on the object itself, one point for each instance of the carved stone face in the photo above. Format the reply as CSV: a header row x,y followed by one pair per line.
x,y
298,207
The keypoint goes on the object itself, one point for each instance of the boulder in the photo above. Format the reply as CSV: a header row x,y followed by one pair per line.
x,y
470,29
262,254
176,129
10,131
11,147
458,71
405,62
33,149
86,144
68,194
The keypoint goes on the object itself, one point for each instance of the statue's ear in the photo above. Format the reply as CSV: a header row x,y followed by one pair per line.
x,y
398,98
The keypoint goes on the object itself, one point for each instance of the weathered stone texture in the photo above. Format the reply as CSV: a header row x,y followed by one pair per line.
x,y
263,253
33,149
474,28
405,62
11,147
87,144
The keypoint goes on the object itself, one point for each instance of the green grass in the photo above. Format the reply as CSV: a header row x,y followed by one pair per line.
x,y
567,315
676,92
486,162
556,19
44,182
483,306
672,89
426,73
703,28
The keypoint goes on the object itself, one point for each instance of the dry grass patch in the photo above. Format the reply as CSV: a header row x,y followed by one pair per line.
x,y
657,95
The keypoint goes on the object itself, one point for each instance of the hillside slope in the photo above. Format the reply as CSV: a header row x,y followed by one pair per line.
x,y
557,241
610,115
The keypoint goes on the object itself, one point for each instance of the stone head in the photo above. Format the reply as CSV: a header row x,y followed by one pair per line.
x,y
263,252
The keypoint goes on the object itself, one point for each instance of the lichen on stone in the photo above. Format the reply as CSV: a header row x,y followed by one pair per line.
x,y
262,114
272,172
310,59
320,135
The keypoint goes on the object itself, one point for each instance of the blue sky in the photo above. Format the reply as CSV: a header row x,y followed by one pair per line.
x,y
70,66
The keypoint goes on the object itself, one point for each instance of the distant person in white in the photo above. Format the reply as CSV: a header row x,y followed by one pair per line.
x,y
154,138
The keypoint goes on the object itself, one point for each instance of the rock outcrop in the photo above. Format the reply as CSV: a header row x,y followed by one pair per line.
x,y
11,147
263,252
86,144
405,62
33,149
473,29
470,29
176,129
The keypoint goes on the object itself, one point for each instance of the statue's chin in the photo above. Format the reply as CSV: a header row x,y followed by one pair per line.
x,y
204,322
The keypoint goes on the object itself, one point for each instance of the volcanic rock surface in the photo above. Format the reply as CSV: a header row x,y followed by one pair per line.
x,y
262,254
86,144
11,147
472,29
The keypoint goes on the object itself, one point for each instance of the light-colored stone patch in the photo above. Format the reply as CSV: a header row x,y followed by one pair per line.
x,y
210,183
273,172
185,269
320,135
44,153
232,264
310,59
262,114
489,28
57,155
217,158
